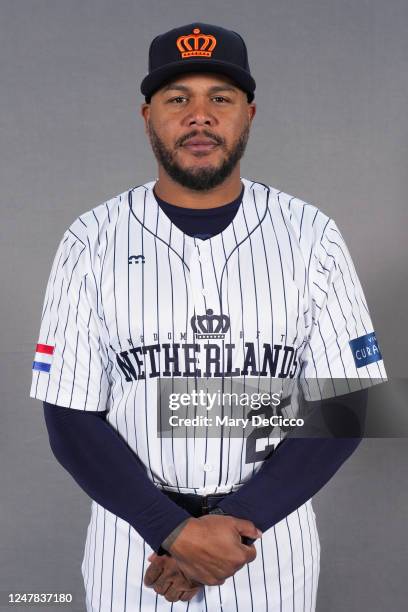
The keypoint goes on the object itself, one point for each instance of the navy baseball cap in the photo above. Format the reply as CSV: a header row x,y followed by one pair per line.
x,y
198,47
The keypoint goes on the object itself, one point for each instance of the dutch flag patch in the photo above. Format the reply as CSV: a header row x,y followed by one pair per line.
x,y
43,357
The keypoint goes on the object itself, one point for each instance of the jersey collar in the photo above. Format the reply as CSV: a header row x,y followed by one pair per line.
x,y
250,214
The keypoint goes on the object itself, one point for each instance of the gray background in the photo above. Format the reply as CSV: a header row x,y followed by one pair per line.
x,y
331,128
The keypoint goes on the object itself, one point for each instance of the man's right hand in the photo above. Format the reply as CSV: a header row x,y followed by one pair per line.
x,y
209,549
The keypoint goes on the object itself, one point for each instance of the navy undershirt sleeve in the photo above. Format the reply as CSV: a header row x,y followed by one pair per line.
x,y
297,469
106,468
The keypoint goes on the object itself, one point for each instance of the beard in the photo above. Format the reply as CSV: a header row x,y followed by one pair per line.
x,y
199,178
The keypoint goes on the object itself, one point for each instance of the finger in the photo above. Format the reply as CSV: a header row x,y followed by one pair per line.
x,y
173,594
162,586
192,584
215,580
152,573
247,528
166,579
250,552
202,578
188,595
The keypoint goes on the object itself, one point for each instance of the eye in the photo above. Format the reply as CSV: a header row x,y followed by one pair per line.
x,y
177,99
220,98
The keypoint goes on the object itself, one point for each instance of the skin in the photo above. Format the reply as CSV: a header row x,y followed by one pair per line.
x,y
203,106
198,105
209,549
166,578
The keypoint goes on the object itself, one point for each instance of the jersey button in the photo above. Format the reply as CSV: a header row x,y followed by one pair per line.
x,y
207,467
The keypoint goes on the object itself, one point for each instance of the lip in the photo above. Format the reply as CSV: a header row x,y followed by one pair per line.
x,y
196,144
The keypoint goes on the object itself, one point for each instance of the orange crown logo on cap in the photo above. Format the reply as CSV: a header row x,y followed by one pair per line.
x,y
189,44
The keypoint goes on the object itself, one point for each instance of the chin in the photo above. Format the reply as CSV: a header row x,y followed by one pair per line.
x,y
200,168
200,163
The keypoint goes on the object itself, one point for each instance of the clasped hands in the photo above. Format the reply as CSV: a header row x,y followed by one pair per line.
x,y
207,551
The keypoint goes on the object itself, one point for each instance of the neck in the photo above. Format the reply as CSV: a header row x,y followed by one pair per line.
x,y
174,193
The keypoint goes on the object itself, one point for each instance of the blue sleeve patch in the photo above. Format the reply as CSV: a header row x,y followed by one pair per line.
x,y
365,350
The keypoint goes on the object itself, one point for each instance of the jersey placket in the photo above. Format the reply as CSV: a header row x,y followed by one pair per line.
x,y
205,297
203,286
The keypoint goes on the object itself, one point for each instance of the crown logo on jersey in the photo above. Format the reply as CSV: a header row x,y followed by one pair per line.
x,y
210,326
196,44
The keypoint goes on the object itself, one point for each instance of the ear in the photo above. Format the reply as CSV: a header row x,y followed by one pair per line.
x,y
251,111
145,112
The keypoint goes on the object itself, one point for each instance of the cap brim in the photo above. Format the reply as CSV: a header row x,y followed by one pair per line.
x,y
157,78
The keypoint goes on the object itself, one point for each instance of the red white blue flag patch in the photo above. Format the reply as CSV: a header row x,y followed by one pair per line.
x,y
43,357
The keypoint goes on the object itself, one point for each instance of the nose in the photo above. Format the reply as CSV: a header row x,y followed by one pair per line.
x,y
199,114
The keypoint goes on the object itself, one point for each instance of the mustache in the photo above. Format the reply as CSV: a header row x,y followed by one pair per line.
x,y
207,134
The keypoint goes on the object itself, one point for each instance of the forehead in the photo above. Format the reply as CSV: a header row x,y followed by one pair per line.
x,y
199,80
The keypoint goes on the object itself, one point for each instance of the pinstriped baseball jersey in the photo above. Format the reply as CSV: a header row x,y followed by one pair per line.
x,y
131,300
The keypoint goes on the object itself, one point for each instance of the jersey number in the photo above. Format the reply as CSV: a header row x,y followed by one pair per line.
x,y
263,433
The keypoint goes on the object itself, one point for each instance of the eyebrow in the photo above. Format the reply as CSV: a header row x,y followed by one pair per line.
x,y
213,89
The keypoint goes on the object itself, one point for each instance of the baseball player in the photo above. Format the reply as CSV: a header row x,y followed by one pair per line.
x,y
200,274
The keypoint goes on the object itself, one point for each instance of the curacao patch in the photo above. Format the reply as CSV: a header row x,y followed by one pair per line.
x,y
365,350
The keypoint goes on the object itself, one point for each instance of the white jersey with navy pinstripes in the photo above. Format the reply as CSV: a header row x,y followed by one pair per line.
x,y
123,301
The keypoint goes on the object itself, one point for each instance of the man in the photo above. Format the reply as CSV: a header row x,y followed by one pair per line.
x,y
198,275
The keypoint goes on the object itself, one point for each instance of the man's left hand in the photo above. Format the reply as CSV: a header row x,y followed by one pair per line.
x,y
164,576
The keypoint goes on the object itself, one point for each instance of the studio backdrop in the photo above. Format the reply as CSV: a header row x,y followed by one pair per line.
x,y
331,128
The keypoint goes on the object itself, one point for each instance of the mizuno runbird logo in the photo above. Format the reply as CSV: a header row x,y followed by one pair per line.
x,y
196,44
136,259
